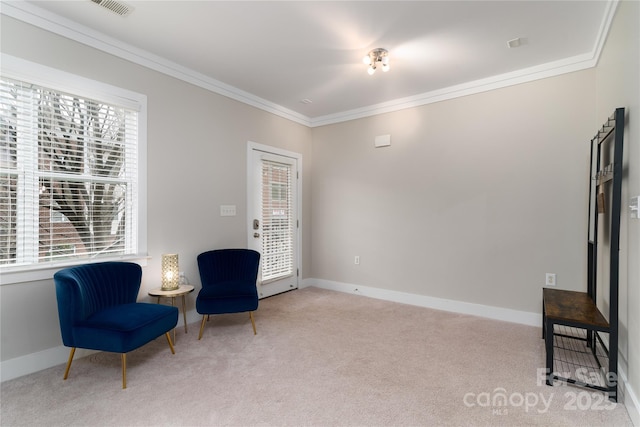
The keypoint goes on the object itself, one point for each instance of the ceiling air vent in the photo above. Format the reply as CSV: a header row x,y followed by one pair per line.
x,y
115,6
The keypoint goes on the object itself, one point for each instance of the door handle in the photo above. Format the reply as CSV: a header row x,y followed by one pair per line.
x,y
256,235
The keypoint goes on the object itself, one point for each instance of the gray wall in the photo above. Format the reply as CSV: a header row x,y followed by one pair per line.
x,y
478,197
475,200
618,84
197,143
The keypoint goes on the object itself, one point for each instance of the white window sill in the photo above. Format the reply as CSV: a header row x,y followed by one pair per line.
x,y
14,275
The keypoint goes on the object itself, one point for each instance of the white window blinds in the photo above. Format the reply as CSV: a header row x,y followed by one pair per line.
x,y
68,176
277,221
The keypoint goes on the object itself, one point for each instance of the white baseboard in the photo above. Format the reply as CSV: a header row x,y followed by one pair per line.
x,y
629,398
633,405
30,363
34,362
497,313
24,365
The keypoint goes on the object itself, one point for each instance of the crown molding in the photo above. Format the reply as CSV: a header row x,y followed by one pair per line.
x,y
538,72
56,24
543,71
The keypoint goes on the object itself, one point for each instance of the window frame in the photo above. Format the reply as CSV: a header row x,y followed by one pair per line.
x,y
21,69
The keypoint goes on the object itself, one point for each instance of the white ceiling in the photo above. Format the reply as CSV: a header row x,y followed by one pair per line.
x,y
276,54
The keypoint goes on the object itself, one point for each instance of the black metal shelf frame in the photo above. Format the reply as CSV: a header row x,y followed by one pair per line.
x,y
581,343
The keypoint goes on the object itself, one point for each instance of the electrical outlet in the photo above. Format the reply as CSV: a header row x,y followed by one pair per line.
x,y
356,260
550,279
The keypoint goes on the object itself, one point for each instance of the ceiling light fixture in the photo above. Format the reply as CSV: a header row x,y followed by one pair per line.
x,y
376,58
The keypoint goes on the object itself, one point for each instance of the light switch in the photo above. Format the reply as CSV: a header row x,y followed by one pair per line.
x,y
634,207
227,210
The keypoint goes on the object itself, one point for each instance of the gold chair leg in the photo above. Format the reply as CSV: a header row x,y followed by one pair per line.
x,y
253,323
66,371
170,343
204,319
124,370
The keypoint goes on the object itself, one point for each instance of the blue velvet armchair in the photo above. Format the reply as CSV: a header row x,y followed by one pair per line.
x,y
228,279
98,310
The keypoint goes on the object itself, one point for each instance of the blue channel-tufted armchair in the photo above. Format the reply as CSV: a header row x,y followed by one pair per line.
x,y
98,310
228,279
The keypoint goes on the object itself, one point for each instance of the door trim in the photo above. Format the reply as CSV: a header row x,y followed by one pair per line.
x,y
267,149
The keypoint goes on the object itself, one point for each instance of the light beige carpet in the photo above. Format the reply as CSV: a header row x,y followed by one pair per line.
x,y
320,358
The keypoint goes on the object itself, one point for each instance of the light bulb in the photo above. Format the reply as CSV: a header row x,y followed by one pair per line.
x,y
366,60
385,60
371,70
385,68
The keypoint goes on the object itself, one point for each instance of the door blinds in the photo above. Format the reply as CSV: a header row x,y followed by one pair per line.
x,y
277,221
